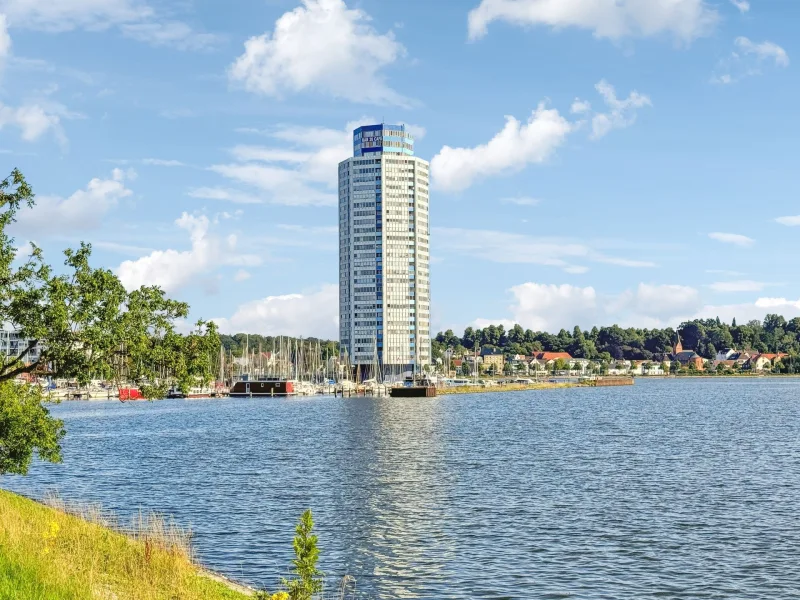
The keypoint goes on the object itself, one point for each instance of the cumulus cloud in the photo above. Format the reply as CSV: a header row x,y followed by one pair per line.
x,y
732,238
174,269
324,46
621,114
314,313
793,221
547,307
748,59
541,307
512,149
81,211
515,248
613,19
519,144
33,121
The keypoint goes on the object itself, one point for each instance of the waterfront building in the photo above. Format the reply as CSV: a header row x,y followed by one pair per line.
x,y
12,345
384,236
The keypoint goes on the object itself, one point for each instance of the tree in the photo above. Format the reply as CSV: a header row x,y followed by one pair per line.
x,y
85,322
86,325
26,427
309,579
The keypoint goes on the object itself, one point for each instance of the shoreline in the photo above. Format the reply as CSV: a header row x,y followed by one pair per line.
x,y
54,550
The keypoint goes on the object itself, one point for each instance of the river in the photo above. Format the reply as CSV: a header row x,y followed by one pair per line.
x,y
668,489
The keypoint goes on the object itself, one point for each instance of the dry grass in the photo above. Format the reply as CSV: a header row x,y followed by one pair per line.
x,y
70,552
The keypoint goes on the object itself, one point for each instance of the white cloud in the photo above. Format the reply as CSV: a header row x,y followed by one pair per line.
x,y
743,285
323,46
748,59
314,313
547,307
614,19
732,238
33,121
522,201
208,193
82,211
159,162
282,185
742,5
135,18
65,15
242,275
580,107
5,39
518,145
514,248
772,303
763,51
793,221
299,169
174,269
170,33
622,113
512,149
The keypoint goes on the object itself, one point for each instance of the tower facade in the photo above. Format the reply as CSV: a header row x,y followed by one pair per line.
x,y
384,237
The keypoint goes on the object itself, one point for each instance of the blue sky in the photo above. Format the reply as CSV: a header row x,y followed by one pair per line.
x,y
593,161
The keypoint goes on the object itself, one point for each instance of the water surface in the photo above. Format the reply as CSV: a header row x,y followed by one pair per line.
x,y
668,489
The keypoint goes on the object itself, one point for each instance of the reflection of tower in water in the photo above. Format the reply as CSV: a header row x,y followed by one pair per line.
x,y
395,490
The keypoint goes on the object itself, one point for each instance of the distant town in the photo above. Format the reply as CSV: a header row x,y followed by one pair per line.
x,y
707,346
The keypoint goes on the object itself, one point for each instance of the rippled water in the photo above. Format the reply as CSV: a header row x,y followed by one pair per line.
x,y
671,489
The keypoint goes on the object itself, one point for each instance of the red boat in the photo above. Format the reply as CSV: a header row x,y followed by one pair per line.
x,y
126,394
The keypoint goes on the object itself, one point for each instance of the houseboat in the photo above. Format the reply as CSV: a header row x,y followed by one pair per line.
x,y
262,388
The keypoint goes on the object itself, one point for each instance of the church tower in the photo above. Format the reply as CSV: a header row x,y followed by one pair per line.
x,y
678,345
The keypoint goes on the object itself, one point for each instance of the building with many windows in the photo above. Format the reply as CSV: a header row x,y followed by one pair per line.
x,y
384,235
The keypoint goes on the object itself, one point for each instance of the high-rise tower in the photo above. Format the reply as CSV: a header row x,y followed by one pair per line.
x,y
384,234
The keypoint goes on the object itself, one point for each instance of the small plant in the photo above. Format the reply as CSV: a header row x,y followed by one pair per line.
x,y
309,579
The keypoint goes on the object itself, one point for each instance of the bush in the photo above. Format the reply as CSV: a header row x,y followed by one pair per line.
x,y
26,426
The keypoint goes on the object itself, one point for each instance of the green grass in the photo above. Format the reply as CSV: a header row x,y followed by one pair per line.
x,y
47,554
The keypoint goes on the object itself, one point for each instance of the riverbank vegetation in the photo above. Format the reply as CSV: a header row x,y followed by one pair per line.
x,y
705,336
53,551
47,554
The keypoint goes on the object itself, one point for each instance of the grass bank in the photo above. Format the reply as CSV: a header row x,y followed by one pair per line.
x,y
471,389
48,554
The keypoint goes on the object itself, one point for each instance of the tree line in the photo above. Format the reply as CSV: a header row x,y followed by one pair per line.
x,y
704,336
237,343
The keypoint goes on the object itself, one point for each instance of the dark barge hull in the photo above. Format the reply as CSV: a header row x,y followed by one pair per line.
x,y
416,391
262,389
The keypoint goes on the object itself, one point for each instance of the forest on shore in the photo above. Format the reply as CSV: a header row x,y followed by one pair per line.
x,y
705,336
